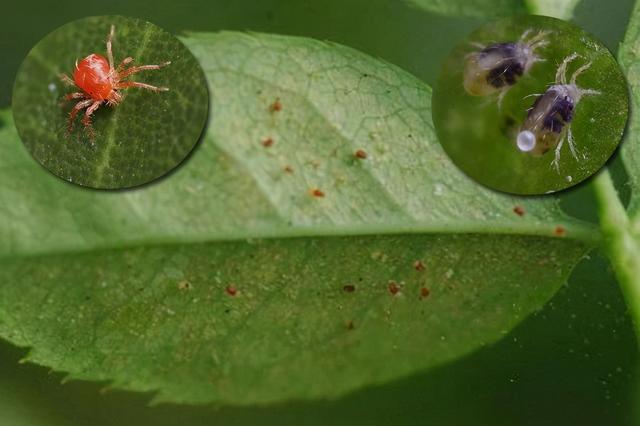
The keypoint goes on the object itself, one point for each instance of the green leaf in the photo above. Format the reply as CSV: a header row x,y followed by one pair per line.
x,y
472,8
561,9
135,288
629,56
142,138
622,228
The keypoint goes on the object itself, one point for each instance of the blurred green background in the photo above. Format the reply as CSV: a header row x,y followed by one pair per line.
x,y
572,363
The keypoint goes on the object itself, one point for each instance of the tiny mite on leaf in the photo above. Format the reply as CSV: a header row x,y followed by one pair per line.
x,y
560,231
288,169
394,288
231,290
317,193
419,266
498,66
361,154
267,142
424,293
519,210
548,121
276,106
101,82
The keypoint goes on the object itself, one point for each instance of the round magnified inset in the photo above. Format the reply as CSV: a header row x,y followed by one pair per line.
x,y
110,102
530,105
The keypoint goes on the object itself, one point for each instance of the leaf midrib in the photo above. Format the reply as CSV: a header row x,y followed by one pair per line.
x,y
577,231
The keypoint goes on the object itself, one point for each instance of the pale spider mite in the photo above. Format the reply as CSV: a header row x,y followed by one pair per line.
x,y
548,121
498,66
100,82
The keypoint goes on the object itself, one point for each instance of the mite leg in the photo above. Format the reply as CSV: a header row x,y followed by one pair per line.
x,y
74,95
67,80
86,120
126,73
72,114
579,71
572,144
109,48
126,61
538,40
127,84
525,34
501,96
561,74
556,160
589,92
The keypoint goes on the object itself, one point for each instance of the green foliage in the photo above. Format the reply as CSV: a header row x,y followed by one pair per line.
x,y
562,9
137,141
630,149
116,267
572,361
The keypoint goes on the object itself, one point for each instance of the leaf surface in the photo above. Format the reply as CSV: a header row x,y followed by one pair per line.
x,y
284,270
561,9
629,56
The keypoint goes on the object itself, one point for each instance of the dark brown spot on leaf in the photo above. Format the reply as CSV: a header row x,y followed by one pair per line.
x,y
519,210
424,293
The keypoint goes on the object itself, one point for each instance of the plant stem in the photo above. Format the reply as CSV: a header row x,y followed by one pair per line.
x,y
561,9
620,246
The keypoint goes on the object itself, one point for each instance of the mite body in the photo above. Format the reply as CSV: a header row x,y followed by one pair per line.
x,y
497,67
548,121
101,82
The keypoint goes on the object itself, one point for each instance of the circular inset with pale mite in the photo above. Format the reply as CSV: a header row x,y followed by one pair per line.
x,y
530,105
110,102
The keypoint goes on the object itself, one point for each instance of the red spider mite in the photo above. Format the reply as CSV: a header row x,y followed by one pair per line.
x,y
101,82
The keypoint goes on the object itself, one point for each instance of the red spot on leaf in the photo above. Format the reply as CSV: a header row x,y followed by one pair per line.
x,y
231,290
519,210
276,106
361,154
560,231
394,288
419,266
317,193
